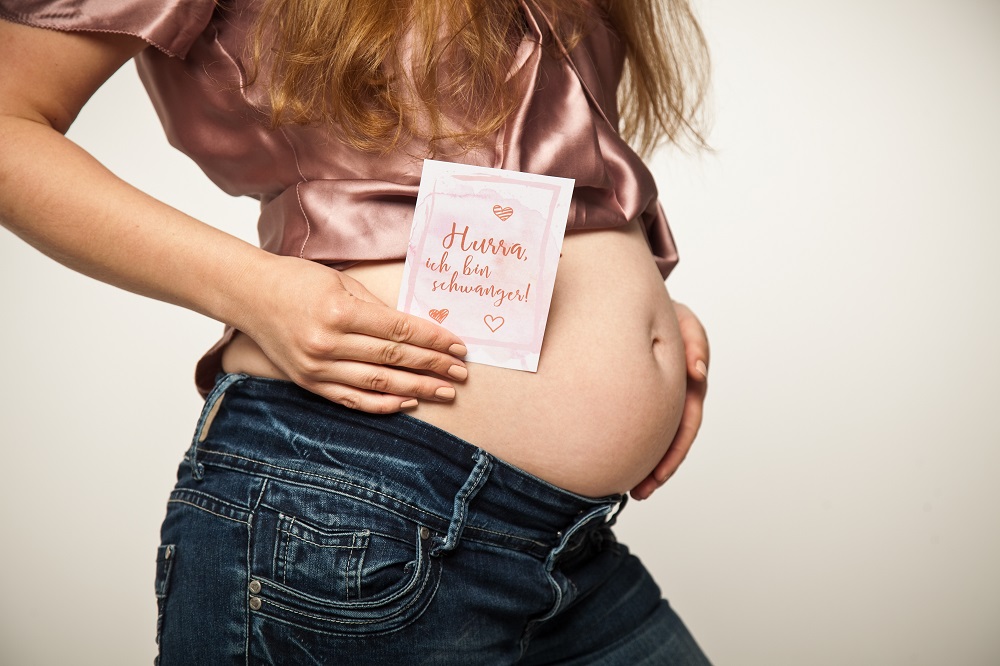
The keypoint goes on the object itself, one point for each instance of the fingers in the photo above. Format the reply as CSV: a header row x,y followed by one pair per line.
x,y
696,348
687,431
356,347
370,332
374,360
697,354
382,322
365,401
645,488
328,333
683,439
371,377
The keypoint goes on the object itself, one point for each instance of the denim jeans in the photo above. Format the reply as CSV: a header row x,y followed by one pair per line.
x,y
302,532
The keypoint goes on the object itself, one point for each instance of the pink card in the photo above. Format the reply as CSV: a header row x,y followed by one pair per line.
x,y
483,254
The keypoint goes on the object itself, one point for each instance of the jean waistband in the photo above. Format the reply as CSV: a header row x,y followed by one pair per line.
x,y
277,429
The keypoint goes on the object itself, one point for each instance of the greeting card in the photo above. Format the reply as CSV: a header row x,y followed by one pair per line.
x,y
482,259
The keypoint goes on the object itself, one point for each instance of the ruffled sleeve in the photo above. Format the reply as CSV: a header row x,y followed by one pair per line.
x,y
171,26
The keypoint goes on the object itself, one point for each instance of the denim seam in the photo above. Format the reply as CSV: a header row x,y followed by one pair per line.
x,y
358,569
319,476
348,569
246,607
540,544
350,546
197,506
194,496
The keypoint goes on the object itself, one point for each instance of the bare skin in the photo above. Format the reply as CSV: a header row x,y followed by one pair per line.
x,y
607,398
600,416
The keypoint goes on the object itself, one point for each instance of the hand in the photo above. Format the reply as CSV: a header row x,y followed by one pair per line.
x,y
331,336
696,355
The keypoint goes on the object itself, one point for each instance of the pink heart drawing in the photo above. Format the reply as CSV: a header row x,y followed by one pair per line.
x,y
438,315
493,323
503,213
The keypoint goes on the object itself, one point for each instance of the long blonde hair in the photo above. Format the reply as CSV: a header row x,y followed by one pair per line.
x,y
373,67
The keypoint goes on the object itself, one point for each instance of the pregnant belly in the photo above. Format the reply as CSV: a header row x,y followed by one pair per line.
x,y
607,397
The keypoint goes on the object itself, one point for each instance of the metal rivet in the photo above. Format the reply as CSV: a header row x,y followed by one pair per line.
x,y
255,586
255,603
559,534
168,552
425,533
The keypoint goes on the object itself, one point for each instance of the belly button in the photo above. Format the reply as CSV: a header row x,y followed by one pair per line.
x,y
657,348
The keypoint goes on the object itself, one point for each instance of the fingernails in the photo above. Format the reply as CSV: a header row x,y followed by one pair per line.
x,y
702,368
412,402
458,372
458,350
445,393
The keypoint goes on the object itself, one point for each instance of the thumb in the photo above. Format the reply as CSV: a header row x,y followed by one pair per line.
x,y
696,348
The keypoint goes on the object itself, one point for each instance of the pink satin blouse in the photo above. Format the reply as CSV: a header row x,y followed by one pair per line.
x,y
326,201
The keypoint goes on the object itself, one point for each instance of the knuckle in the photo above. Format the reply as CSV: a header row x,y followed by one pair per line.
x,y
349,400
391,354
434,363
402,330
338,314
315,343
308,366
376,381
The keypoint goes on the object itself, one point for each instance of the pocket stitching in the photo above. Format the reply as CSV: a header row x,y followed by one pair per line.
x,y
412,582
417,596
284,528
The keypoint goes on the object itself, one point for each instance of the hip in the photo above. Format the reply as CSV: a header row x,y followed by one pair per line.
x,y
300,531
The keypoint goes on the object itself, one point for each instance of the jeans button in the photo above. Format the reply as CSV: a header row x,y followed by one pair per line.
x,y
255,603
254,586
424,533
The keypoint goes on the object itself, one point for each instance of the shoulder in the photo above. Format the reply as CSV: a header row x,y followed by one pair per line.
x,y
170,26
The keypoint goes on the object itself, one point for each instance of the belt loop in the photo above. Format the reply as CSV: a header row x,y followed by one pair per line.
x,y
468,491
621,505
602,510
212,403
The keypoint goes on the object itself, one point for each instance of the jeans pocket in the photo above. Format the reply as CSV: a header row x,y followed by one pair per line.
x,y
334,564
309,557
165,556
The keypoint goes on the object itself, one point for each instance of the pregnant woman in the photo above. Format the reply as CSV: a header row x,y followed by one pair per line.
x,y
354,491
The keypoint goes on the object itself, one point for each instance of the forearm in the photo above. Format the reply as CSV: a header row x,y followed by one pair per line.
x,y
65,203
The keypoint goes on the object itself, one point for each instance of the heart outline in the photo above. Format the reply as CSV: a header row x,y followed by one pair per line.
x,y
490,318
439,315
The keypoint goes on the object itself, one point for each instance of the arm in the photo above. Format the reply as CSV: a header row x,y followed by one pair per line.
x,y
59,199
696,355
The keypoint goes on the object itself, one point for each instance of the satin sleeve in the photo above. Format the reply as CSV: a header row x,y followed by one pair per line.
x,y
171,26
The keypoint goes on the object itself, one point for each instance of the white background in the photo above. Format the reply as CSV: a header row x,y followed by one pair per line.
x,y
841,504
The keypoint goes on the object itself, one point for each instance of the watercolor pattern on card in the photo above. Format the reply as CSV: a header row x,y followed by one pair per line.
x,y
482,259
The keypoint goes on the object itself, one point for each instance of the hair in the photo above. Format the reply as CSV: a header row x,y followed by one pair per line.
x,y
385,71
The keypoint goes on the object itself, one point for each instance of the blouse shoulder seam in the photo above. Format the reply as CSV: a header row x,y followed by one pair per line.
x,y
29,21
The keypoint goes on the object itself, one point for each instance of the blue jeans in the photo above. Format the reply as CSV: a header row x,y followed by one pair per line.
x,y
302,532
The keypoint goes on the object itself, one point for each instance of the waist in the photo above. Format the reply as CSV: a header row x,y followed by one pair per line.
x,y
394,461
607,397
